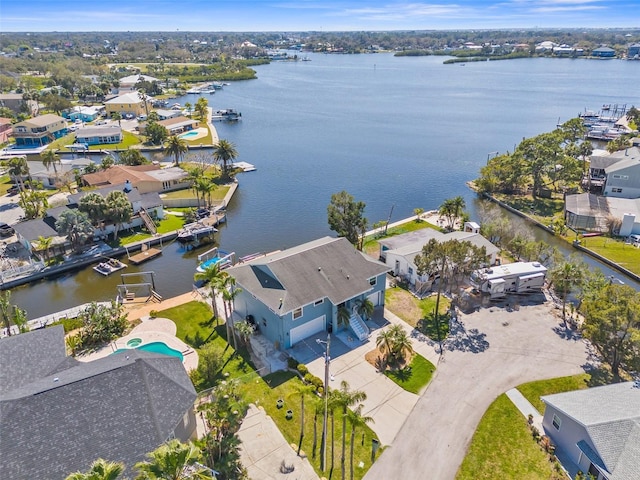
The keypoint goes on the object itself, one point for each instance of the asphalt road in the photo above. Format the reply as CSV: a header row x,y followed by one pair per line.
x,y
492,351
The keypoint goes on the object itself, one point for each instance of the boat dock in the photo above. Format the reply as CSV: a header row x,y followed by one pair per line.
x,y
144,255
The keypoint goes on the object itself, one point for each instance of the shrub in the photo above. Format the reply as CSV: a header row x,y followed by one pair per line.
x,y
69,324
302,368
292,363
210,361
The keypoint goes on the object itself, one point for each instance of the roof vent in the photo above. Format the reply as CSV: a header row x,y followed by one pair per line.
x,y
56,379
536,264
319,269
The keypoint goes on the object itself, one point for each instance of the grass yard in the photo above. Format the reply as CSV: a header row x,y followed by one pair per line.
x,y
371,247
128,140
532,391
542,209
194,320
617,251
217,194
419,313
503,447
170,223
415,376
5,184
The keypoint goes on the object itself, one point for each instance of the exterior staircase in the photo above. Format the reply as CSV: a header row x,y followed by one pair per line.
x,y
148,221
358,327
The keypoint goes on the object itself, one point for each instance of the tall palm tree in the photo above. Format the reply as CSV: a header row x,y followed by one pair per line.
x,y
173,461
402,345
117,117
43,244
76,226
356,420
95,206
118,209
49,159
100,470
229,294
212,275
346,399
385,343
318,409
224,153
301,389
18,169
343,315
176,147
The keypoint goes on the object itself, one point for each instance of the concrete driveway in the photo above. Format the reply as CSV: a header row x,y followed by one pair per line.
x,y
491,351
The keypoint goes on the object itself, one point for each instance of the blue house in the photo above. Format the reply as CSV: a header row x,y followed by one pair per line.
x,y
85,114
102,135
634,51
603,52
299,292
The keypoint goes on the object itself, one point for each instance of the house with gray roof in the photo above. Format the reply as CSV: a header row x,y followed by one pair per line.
x,y
99,135
592,213
399,252
623,175
597,430
298,292
58,415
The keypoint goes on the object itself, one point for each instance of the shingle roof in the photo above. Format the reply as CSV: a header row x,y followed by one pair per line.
x,y
626,158
39,352
132,195
99,131
611,417
42,120
118,407
32,229
327,267
119,174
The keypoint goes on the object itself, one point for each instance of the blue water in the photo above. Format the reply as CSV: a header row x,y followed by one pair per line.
x,y
155,347
396,132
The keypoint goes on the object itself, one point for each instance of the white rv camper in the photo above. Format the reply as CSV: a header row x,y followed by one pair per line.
x,y
519,277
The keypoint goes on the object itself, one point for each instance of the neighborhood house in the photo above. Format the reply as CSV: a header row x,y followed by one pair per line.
x,y
99,135
298,292
597,430
39,131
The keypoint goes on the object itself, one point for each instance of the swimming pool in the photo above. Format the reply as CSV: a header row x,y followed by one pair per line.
x,y
189,134
155,347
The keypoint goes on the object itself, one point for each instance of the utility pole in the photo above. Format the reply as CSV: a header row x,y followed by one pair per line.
x,y
327,361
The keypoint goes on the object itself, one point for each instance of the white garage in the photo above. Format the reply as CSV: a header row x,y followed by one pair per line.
x,y
307,329
375,299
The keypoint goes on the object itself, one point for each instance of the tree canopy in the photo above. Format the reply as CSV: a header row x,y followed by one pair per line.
x,y
346,218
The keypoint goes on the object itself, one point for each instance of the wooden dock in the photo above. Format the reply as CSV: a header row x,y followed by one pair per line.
x,y
145,255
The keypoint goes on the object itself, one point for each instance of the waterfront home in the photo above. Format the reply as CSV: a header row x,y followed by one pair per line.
x,y
145,178
603,52
298,292
597,430
128,83
167,114
128,104
39,131
593,213
400,251
16,103
29,232
616,174
177,125
101,135
633,51
83,113
58,415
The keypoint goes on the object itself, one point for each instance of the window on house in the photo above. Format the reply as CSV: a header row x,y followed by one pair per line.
x,y
556,422
373,281
318,302
616,190
297,313
264,322
410,271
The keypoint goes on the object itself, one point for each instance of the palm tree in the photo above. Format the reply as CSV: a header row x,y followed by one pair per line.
x,y
346,399
212,275
100,470
188,107
118,209
176,147
95,206
117,117
343,315
300,388
565,277
356,420
224,153
173,461
76,226
18,168
364,307
5,310
43,244
385,343
318,408
402,345
227,285
49,159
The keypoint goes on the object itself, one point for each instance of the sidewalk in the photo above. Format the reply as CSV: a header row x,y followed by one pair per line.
x,y
263,450
525,408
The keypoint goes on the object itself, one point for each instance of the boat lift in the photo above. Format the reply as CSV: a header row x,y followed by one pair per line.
x,y
127,291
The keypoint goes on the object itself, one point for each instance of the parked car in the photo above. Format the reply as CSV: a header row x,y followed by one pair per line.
x,y
202,213
634,239
13,190
6,230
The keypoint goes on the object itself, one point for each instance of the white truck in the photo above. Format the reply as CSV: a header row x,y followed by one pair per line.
x,y
519,277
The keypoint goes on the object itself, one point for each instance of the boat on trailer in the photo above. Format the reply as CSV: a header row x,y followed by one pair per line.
x,y
215,256
110,266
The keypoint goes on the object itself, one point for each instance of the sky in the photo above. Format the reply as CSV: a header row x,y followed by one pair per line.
x,y
311,15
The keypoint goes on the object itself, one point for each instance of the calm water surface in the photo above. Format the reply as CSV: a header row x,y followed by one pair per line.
x,y
402,132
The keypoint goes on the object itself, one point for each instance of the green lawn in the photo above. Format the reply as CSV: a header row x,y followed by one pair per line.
x,y
194,320
542,209
419,313
414,377
128,140
371,242
503,448
623,254
170,223
217,194
5,184
532,391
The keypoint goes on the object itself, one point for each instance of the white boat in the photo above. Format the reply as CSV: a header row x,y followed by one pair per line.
x,y
215,256
110,266
176,106
229,115
193,91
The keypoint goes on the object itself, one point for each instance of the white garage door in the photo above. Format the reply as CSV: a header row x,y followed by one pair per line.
x,y
303,331
375,298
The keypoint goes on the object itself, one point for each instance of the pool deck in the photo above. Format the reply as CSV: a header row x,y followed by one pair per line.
x,y
150,330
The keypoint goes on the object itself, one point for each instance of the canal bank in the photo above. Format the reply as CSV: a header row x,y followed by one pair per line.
x,y
576,245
